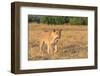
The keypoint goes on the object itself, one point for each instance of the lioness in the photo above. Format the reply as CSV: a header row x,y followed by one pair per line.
x,y
50,38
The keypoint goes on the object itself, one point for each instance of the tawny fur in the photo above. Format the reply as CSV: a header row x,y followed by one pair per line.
x,y
50,38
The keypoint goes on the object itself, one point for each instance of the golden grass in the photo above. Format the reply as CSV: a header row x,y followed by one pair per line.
x,y
72,45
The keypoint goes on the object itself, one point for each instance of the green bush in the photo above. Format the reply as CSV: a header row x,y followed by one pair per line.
x,y
30,18
52,19
58,20
78,21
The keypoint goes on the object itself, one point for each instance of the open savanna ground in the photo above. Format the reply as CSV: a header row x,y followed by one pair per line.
x,y
72,45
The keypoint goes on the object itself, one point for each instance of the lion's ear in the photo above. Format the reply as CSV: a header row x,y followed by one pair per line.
x,y
54,30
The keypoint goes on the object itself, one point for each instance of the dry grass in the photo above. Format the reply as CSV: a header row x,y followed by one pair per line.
x,y
72,45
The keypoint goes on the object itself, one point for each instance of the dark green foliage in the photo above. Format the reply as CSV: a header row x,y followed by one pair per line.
x,y
78,21
34,18
30,18
52,19
58,20
85,20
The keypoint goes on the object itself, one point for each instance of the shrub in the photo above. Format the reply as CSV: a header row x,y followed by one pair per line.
x,y
58,20
78,21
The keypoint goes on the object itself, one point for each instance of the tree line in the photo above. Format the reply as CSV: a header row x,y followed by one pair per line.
x,y
58,20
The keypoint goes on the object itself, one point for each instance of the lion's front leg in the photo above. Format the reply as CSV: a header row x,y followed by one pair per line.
x,y
48,49
41,45
55,48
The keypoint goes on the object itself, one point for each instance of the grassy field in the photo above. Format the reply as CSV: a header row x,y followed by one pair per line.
x,y
72,45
